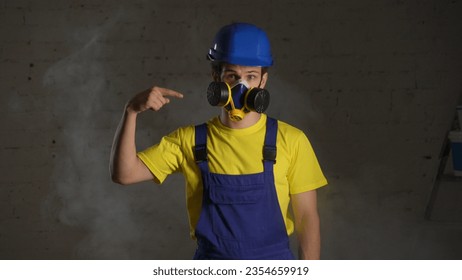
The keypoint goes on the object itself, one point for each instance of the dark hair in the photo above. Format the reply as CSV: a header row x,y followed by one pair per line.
x,y
216,69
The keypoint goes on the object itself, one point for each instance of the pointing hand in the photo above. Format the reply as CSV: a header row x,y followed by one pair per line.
x,y
154,98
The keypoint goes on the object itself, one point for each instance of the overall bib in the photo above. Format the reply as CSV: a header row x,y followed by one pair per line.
x,y
240,216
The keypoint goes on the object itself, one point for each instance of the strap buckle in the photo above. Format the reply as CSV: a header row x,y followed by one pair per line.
x,y
269,153
200,153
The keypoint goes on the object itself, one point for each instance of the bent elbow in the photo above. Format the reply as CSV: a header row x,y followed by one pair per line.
x,y
120,180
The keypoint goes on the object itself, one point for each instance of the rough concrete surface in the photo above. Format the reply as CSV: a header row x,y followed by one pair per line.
x,y
373,85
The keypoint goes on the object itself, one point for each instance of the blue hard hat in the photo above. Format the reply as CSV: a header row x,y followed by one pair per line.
x,y
241,44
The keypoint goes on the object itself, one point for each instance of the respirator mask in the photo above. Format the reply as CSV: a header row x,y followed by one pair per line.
x,y
238,99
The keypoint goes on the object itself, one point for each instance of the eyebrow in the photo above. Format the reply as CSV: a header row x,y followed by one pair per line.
x,y
247,72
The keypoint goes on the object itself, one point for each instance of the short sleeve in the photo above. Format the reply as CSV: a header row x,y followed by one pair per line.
x,y
304,172
163,158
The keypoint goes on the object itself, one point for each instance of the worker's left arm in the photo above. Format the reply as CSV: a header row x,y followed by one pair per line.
x,y
307,227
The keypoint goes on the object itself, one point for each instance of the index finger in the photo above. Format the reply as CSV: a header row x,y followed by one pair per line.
x,y
170,92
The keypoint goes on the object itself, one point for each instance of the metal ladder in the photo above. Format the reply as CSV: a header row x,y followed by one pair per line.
x,y
440,176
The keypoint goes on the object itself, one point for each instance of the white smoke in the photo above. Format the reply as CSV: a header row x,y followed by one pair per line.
x,y
82,195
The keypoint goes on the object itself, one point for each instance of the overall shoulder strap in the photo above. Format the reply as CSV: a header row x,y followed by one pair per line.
x,y
269,148
200,145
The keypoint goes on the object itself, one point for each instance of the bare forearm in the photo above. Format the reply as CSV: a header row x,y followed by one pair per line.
x,y
123,154
307,224
125,166
309,238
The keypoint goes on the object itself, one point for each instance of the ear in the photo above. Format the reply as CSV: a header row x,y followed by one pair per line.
x,y
264,79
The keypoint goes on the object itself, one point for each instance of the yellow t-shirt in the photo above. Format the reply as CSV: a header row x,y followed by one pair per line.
x,y
237,151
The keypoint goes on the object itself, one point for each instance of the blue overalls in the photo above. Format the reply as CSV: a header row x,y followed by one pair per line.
x,y
240,217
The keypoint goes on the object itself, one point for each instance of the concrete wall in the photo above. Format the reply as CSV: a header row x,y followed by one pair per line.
x,y
373,84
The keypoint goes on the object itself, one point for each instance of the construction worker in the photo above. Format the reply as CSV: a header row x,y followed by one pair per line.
x,y
243,169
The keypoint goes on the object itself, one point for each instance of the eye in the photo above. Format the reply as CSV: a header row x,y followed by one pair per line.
x,y
229,78
251,78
